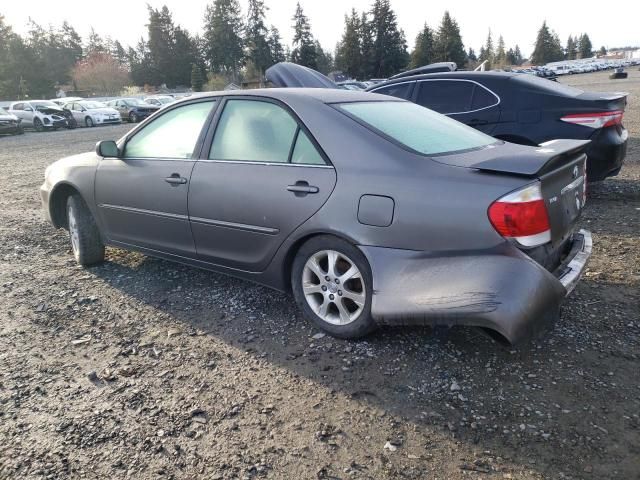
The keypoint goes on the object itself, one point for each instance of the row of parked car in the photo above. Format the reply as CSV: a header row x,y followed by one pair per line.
x,y
588,67
72,112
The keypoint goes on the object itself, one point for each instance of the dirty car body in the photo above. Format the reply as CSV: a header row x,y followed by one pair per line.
x,y
431,217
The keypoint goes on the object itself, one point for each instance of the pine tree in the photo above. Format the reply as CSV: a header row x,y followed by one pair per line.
x,y
324,60
487,52
349,49
95,43
500,54
547,47
518,56
585,49
423,53
366,47
572,50
257,43
389,45
197,81
275,46
448,44
602,52
304,50
471,55
223,37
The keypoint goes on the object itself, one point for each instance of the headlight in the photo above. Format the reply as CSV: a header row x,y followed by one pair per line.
x,y
46,120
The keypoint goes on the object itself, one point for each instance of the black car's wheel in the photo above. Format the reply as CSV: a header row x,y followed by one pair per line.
x,y
88,121
331,282
133,118
37,124
86,243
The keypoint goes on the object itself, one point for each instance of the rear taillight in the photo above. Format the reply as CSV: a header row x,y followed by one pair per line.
x,y
595,120
522,216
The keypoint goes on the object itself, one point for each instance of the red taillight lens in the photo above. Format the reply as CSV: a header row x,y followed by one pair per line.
x,y
595,120
522,215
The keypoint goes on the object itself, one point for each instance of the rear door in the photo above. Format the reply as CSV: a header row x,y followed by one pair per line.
x,y
260,177
464,100
18,110
142,196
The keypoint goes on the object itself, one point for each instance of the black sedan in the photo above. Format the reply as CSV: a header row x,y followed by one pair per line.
x,y
9,123
370,209
133,110
524,109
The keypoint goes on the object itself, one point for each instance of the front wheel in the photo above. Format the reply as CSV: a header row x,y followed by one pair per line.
x,y
332,285
37,124
86,243
133,118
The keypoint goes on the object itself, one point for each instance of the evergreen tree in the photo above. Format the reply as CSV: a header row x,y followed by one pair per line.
x,y
500,54
547,47
95,44
602,52
448,44
518,56
304,50
389,44
197,81
366,47
139,60
258,48
161,40
324,60
422,53
275,46
119,53
471,55
223,37
487,52
349,49
585,49
571,52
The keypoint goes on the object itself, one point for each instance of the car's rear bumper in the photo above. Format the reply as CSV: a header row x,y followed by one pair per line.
x,y
606,153
502,290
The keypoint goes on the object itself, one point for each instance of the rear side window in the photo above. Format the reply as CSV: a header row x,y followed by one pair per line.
x,y
399,90
18,106
419,129
482,98
445,96
172,135
304,152
554,88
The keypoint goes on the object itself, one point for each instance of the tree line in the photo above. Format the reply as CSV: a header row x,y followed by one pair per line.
x,y
236,46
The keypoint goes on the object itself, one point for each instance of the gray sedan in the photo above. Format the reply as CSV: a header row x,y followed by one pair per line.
x,y
369,209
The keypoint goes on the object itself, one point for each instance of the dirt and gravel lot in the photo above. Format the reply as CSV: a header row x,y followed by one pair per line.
x,y
140,368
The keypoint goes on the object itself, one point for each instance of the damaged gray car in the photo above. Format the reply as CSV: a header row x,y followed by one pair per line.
x,y
370,210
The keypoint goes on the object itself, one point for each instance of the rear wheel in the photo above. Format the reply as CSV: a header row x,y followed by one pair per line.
x,y
88,121
133,118
86,243
331,282
37,124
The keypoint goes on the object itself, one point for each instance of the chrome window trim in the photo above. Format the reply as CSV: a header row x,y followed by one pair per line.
x,y
451,80
272,164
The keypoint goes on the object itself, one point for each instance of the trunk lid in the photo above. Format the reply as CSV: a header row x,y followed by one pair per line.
x,y
288,75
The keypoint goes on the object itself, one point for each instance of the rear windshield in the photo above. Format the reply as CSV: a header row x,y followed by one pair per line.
x,y
418,128
555,88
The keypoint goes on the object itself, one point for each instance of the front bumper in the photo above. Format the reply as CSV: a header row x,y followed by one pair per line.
x,y
502,290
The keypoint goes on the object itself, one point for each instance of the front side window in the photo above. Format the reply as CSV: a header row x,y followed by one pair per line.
x,y
253,131
445,96
172,135
18,106
417,128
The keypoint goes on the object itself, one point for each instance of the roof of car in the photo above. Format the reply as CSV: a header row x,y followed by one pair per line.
x,y
467,75
324,95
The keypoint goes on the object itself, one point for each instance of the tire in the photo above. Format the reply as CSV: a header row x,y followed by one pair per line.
x,y
37,124
341,306
88,121
133,118
84,235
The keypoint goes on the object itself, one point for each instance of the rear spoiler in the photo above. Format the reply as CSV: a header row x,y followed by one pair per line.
x,y
542,159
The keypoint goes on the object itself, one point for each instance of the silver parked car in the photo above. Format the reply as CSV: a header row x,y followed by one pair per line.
x,y
89,113
160,100
370,209
39,114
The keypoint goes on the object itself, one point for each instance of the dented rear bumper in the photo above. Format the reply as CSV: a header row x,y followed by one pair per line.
x,y
502,290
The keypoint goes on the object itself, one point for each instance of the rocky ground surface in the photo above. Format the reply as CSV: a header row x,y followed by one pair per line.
x,y
140,368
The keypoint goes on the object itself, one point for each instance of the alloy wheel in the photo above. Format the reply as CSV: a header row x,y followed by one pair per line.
x,y
73,231
333,287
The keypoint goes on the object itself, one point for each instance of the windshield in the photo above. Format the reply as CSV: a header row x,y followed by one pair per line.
x,y
134,101
92,105
418,128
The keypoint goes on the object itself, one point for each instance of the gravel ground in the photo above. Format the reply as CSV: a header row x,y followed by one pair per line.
x,y
140,368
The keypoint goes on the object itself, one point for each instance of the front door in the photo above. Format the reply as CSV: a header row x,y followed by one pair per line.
x,y
263,177
142,196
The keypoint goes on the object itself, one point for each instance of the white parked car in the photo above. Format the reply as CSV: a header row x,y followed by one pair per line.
x,y
39,114
89,113
61,102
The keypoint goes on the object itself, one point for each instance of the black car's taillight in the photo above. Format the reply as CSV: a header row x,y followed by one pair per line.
x,y
595,120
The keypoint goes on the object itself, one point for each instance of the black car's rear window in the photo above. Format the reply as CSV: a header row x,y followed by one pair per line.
x,y
555,88
417,128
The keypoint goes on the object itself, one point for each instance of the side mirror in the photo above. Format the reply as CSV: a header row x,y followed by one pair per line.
x,y
107,148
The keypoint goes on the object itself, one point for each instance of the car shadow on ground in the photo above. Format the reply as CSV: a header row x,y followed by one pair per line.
x,y
405,372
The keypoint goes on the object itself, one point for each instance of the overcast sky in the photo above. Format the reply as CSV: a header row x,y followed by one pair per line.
x,y
609,24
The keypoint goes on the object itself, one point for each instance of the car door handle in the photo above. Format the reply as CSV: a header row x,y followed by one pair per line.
x,y
175,179
302,188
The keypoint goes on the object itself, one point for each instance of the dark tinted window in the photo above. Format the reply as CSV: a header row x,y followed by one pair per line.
x,y
445,96
400,90
482,98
